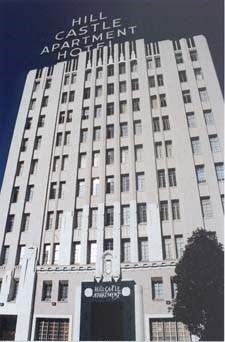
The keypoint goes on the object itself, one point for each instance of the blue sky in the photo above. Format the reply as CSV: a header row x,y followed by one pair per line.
x,y
26,26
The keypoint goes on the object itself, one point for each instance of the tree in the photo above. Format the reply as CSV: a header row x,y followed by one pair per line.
x,y
199,279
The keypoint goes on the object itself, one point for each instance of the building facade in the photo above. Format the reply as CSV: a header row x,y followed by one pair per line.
x,y
116,158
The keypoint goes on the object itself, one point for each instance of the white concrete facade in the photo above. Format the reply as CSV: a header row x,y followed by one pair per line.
x,y
124,185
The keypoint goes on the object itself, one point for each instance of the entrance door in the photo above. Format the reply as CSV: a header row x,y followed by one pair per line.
x,y
107,321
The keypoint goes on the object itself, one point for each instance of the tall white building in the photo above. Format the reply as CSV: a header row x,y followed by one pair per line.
x,y
116,158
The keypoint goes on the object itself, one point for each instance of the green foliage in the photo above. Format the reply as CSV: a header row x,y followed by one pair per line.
x,y
199,278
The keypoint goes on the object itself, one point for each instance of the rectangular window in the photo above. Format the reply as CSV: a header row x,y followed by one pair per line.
x,y
149,64
200,173
24,145
122,68
37,143
46,254
195,143
87,93
32,104
140,181
134,84
157,289
123,86
182,76
125,215
20,167
110,131
109,216
48,83
191,120
66,79
175,209
110,184
203,95
56,253
67,138
125,183
47,291
98,110
109,156
36,86
80,188
99,73
97,134
151,81
124,129
172,177
10,223
83,135
143,254
62,186
56,163
154,102
15,289
167,248
160,80
157,62
108,244
125,250
173,289
164,212
168,330
59,139
44,101
138,153
219,171
161,178
29,193
166,123
83,160
85,113
208,117
214,143
15,194
61,117
95,186
49,221
158,150
25,222
206,207
49,329
93,217
98,91
179,246
73,78
124,155
5,255
78,218
76,253
64,97
69,116
186,96
198,74
53,188
64,165
34,165
123,106
133,66
136,105
28,123
63,291
156,124
95,158
110,70
193,55
179,58
110,108
87,75
20,254
41,121
59,218
137,127
141,213
92,252
162,99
